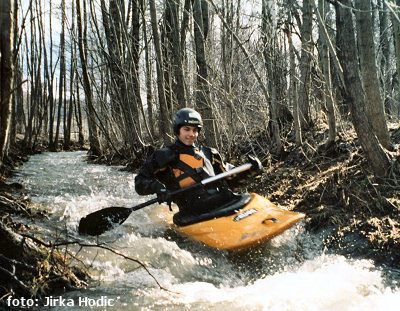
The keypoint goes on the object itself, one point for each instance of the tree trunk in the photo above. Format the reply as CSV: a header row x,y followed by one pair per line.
x,y
179,85
270,49
293,99
227,57
19,102
184,26
95,150
323,9
305,64
227,45
17,86
32,70
116,88
200,19
384,46
149,75
355,95
78,113
61,79
47,92
166,49
374,104
396,35
50,84
36,95
135,34
6,73
69,112
19,94
163,118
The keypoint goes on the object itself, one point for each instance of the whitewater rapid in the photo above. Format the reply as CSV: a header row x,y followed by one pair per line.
x,y
291,272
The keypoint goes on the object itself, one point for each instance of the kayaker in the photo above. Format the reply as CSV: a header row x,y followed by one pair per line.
x,y
184,163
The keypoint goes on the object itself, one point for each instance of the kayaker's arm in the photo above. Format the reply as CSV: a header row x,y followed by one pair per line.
x,y
238,180
216,160
146,181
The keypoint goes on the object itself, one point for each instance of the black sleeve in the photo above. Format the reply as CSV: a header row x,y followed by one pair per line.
x,y
216,160
234,182
146,181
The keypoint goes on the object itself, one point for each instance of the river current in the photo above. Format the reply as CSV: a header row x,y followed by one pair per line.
x,y
291,272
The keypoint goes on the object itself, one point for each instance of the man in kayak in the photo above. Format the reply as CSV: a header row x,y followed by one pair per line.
x,y
182,164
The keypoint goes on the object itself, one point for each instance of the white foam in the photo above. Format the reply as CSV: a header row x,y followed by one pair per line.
x,y
325,283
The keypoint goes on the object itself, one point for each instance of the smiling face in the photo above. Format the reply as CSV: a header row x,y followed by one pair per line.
x,y
188,134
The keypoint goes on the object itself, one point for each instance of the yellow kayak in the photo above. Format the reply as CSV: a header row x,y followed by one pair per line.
x,y
251,220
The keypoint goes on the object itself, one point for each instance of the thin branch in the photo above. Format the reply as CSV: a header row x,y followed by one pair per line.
x,y
14,278
65,243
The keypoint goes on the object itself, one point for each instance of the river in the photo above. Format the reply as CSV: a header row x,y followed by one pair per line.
x,y
291,272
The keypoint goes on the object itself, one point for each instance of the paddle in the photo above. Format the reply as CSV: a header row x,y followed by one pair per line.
x,y
105,219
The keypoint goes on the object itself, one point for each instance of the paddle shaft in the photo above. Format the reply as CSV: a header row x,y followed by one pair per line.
x,y
102,220
203,183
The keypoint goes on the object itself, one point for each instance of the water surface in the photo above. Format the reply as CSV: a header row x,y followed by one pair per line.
x,y
291,272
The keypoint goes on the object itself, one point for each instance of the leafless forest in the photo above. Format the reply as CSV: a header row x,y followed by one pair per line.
x,y
111,74
309,86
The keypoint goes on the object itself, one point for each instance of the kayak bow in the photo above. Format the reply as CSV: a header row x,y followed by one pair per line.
x,y
259,220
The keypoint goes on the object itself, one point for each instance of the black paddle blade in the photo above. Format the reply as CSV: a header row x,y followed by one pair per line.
x,y
103,220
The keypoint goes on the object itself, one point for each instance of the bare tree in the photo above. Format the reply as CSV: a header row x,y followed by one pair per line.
x,y
374,104
125,105
61,80
148,72
323,12
164,128
35,103
254,70
384,47
293,86
230,12
18,93
7,74
78,112
200,19
293,95
68,112
355,95
50,82
248,67
395,14
271,51
95,149
179,84
305,64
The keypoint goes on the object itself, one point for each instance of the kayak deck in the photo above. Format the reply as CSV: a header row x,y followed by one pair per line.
x,y
258,221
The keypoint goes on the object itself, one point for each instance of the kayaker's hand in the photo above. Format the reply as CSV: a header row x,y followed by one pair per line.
x,y
163,194
156,186
256,165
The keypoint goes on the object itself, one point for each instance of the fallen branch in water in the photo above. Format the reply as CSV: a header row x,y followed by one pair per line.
x,y
28,270
66,243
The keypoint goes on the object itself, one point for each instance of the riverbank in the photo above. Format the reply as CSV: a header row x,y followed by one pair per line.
x,y
336,189
28,268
